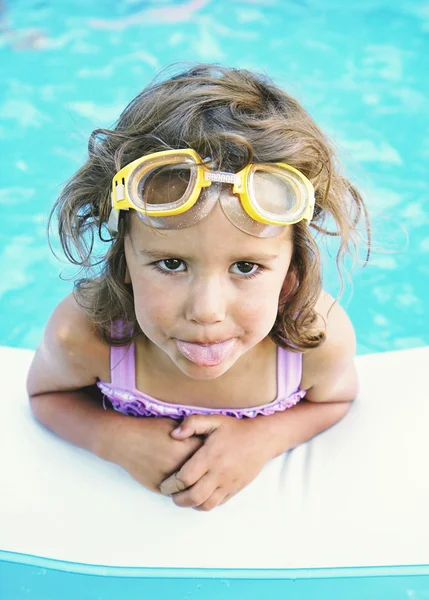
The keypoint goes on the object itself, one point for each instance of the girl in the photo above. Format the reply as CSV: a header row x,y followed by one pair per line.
x,y
206,311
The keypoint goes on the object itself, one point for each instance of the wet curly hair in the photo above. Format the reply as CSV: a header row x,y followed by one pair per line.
x,y
235,117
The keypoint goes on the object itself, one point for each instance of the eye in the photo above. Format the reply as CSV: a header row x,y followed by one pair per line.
x,y
248,269
170,265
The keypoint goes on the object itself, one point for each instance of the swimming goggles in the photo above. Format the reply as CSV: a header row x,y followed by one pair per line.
x,y
175,189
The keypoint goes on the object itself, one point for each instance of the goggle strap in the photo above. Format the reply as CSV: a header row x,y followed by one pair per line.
x,y
113,222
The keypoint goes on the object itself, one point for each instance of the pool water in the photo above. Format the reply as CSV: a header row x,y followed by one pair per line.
x,y
360,68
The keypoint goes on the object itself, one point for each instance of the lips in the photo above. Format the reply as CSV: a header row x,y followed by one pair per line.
x,y
206,355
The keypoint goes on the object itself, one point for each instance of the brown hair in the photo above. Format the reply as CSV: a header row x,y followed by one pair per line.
x,y
235,117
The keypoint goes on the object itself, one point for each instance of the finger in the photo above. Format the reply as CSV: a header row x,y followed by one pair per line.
x,y
191,472
196,425
197,494
227,497
172,485
216,499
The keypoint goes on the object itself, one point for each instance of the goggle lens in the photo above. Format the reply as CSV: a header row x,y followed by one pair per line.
x,y
165,187
276,194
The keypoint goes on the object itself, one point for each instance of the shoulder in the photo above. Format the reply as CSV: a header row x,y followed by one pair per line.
x,y
70,330
329,372
71,355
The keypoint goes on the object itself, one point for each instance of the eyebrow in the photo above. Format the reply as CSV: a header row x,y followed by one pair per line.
x,y
160,254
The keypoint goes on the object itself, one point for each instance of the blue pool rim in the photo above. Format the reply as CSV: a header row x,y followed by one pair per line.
x,y
213,573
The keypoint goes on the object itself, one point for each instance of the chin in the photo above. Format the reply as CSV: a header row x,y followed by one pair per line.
x,y
201,373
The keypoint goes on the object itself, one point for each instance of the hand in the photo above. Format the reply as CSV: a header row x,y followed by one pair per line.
x,y
232,456
145,448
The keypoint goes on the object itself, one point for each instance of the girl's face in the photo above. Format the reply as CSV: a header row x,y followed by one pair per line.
x,y
205,295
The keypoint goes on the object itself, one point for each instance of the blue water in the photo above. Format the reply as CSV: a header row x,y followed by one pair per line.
x,y
360,68
43,579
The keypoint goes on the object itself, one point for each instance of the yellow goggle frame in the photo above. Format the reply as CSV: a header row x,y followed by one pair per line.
x,y
125,183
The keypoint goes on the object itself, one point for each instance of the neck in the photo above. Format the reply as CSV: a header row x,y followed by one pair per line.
x,y
244,384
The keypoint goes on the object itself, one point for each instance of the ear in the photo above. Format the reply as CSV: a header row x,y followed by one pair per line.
x,y
127,275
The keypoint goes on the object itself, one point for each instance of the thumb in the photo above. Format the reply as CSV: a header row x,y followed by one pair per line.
x,y
196,425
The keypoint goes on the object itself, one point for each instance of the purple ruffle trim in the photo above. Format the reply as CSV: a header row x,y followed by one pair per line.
x,y
128,403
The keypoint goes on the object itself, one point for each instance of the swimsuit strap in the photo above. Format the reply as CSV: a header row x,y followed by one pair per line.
x,y
289,372
122,361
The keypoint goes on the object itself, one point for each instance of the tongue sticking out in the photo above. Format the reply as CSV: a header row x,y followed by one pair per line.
x,y
208,355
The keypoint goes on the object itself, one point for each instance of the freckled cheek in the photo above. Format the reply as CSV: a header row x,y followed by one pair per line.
x,y
154,307
258,313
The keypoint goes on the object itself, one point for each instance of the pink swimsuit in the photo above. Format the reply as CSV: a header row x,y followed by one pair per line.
x,y
125,398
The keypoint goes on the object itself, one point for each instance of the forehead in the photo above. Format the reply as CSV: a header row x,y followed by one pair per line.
x,y
214,235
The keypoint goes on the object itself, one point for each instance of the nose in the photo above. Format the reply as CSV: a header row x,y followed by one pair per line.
x,y
206,302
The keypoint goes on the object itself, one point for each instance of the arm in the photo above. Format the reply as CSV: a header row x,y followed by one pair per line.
x,y
63,397
330,378
61,380
299,424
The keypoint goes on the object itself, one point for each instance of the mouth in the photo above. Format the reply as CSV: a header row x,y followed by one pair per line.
x,y
204,343
206,354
